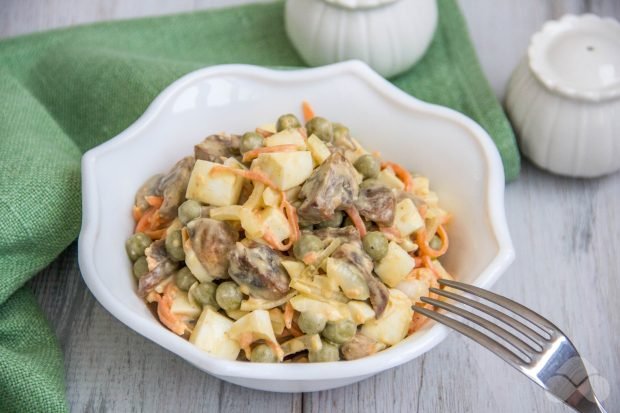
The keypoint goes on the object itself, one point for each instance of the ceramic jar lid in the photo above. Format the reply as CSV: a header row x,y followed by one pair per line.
x,y
578,56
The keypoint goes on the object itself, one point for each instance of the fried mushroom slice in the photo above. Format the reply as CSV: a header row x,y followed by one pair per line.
x,y
258,271
346,234
149,188
216,148
377,203
208,241
354,253
160,266
360,346
173,186
332,186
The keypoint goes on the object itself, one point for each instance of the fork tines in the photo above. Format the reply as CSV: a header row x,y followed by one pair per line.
x,y
518,351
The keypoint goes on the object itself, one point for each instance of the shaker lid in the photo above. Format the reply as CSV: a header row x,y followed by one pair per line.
x,y
359,4
578,56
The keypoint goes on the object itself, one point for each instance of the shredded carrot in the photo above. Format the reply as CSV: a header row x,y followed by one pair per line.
x,y
425,249
289,312
401,173
257,176
154,201
264,132
275,243
429,264
291,216
145,220
249,155
418,320
165,314
136,213
307,110
418,260
357,220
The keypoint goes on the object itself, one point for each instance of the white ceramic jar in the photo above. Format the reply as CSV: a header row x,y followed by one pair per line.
x,y
564,97
389,35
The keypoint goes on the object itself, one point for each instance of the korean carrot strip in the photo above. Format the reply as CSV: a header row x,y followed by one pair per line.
x,y
249,155
257,176
357,220
425,249
307,110
154,201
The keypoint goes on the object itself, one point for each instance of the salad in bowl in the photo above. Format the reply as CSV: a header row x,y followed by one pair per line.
x,y
288,243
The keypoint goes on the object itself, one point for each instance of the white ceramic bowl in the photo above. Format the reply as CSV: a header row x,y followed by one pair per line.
x,y
458,156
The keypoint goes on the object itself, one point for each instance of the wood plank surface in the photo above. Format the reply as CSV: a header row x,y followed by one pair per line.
x,y
566,233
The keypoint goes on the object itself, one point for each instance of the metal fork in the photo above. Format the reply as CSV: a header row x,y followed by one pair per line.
x,y
542,352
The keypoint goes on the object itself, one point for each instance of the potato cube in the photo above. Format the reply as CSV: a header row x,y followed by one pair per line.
x,y
272,197
256,222
285,169
275,221
318,149
268,127
360,311
286,137
395,266
183,307
389,178
393,325
407,219
210,335
219,189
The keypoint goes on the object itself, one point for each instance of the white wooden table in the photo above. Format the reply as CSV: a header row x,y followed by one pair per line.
x,y
566,233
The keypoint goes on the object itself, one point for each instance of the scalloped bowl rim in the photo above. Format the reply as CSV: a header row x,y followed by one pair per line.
x,y
416,344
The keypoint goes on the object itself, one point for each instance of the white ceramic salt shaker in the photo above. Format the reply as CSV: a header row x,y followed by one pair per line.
x,y
564,97
389,35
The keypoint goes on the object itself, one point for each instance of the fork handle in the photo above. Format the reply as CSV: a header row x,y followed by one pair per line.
x,y
585,404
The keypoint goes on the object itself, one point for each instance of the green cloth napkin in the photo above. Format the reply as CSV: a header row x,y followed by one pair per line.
x,y
65,91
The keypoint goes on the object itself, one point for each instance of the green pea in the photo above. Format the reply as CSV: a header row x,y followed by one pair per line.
x,y
334,222
320,127
228,296
311,323
339,331
307,243
174,245
342,135
435,242
249,141
140,267
287,121
184,279
189,210
262,353
375,244
204,293
368,166
329,352
136,244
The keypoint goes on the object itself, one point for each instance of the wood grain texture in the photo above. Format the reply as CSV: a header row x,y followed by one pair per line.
x,y
566,234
